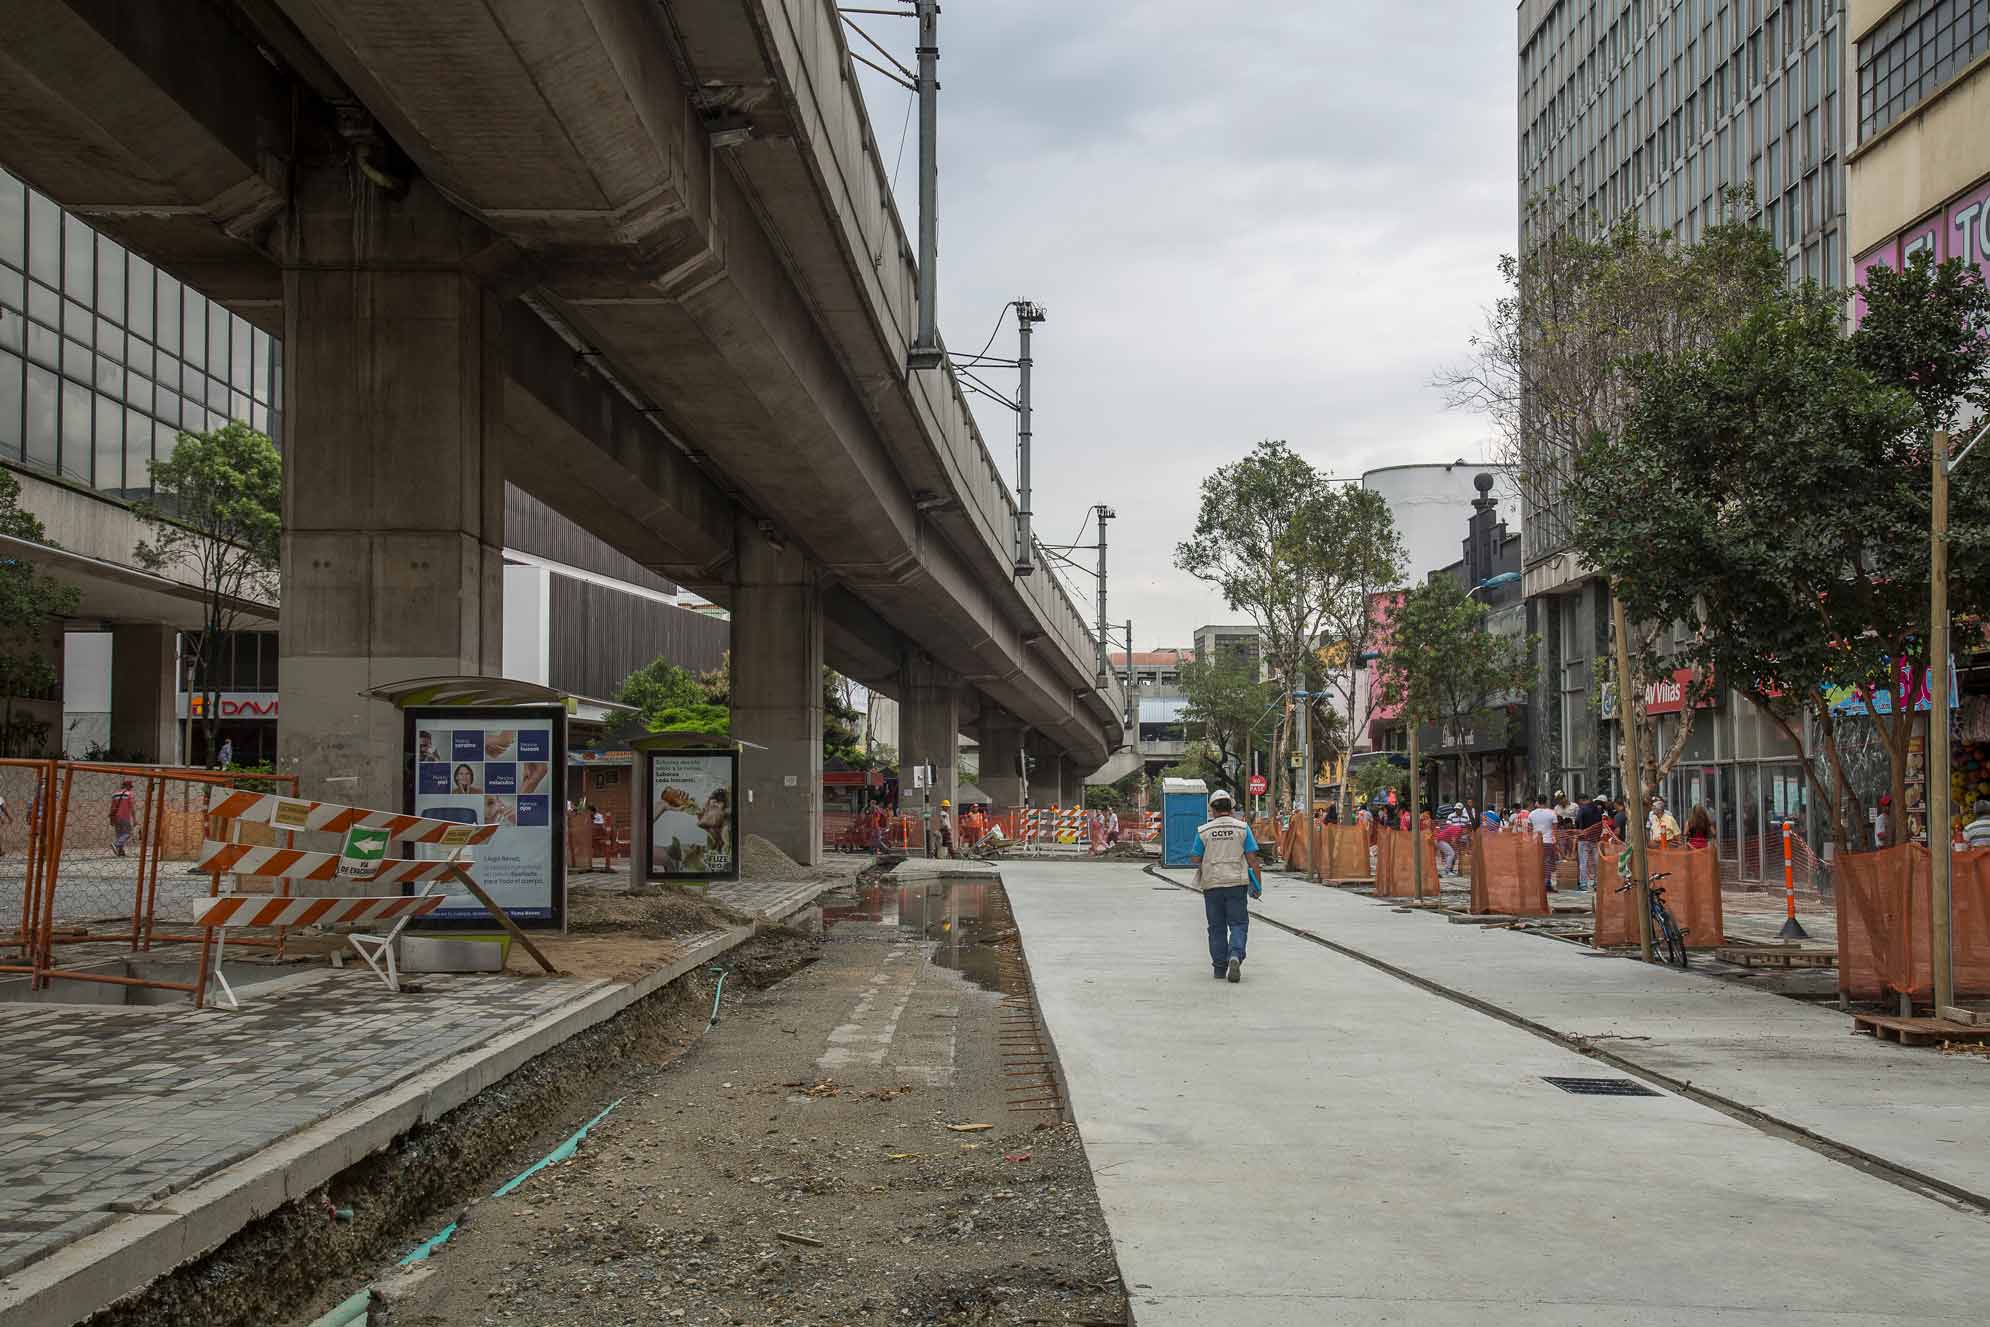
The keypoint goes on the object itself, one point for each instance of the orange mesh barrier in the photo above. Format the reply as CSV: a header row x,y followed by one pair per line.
x,y
1616,914
1299,852
1883,911
1395,874
1507,875
1692,892
1344,852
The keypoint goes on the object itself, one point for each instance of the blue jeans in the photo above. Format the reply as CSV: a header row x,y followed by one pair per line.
x,y
1229,914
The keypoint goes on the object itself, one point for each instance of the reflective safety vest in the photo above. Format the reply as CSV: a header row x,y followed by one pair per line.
x,y
1223,863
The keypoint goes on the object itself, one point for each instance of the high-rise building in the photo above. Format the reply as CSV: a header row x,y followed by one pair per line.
x,y
1920,170
1650,108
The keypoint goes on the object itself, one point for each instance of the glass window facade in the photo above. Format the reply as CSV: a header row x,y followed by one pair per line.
x,y
103,359
1914,51
1651,108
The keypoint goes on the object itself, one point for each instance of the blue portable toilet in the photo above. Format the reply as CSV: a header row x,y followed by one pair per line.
x,y
1184,806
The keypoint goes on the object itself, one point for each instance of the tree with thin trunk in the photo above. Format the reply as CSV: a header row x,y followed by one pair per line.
x,y
1774,489
30,603
1264,536
1553,368
1229,710
216,517
1366,557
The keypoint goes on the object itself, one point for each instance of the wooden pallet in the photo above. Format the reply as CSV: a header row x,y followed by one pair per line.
x,y
1917,1031
1750,956
1967,1014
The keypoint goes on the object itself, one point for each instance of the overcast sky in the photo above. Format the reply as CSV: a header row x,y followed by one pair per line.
x,y
1273,219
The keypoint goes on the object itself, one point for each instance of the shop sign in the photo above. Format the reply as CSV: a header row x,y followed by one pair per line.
x,y
1871,700
1960,229
1667,695
233,704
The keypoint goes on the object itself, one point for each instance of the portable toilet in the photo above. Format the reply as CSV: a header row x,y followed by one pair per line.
x,y
1184,806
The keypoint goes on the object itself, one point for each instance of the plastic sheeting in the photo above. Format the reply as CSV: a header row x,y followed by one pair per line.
x,y
1395,872
1507,875
1883,923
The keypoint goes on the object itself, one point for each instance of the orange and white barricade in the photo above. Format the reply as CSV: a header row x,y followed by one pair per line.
x,y
271,901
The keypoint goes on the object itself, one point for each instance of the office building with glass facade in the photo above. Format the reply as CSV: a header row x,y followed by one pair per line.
x,y
1655,110
104,360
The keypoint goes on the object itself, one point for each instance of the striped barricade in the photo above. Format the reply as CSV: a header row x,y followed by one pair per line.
x,y
258,910
279,812
245,859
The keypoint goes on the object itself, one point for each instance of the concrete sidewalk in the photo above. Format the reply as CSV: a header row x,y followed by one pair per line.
x,y
1328,1143
133,1139
1796,1063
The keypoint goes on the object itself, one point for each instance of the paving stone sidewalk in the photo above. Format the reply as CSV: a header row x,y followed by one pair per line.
x,y
775,900
109,1107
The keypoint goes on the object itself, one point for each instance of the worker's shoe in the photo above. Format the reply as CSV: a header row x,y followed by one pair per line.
x,y
1235,972
1219,974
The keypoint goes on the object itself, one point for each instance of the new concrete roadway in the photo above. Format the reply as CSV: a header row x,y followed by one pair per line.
x,y
1328,1142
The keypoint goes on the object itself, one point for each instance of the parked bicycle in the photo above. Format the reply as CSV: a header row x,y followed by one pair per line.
x,y
1666,937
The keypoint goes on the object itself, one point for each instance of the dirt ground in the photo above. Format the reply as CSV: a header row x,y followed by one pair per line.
x,y
620,936
796,1164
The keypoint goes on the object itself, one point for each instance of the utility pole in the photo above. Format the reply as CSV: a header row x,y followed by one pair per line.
x,y
1027,316
1634,776
1132,685
1416,818
1941,842
1105,662
925,351
1303,794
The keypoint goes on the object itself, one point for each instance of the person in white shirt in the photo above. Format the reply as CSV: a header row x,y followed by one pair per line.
x,y
1545,822
1660,827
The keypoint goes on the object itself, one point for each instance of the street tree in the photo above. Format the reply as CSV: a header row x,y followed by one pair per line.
x,y
1773,490
30,604
1265,537
1362,555
1229,711
1444,667
1555,366
216,517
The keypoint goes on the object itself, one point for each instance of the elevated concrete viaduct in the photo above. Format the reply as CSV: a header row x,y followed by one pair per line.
x,y
637,256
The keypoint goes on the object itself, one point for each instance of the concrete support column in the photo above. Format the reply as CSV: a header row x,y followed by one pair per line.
x,y
1046,785
393,497
1001,737
777,694
144,717
929,731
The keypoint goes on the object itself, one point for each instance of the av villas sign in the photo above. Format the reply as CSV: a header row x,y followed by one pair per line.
x,y
233,705
1959,229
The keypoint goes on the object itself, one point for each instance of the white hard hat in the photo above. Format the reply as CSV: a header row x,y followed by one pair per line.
x,y
1222,795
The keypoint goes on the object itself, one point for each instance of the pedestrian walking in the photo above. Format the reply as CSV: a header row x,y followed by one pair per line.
x,y
227,752
1543,821
1976,833
1620,821
124,814
1226,870
1588,829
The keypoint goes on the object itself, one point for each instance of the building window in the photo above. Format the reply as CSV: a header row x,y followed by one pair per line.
x,y
1913,52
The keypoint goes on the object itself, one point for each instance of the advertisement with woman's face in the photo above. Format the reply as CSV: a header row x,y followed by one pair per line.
x,y
692,811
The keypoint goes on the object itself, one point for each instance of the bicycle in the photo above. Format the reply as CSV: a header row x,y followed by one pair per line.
x,y
1667,938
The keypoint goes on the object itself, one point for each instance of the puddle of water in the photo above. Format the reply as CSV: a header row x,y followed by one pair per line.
x,y
959,916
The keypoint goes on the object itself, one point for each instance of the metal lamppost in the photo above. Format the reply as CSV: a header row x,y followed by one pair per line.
x,y
1941,949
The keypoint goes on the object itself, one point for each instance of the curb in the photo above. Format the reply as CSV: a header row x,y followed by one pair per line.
x,y
130,1253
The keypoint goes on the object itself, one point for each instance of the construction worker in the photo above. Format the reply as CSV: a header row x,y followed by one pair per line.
x,y
947,826
1226,866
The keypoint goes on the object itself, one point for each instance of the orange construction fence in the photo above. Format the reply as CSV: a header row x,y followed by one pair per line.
x,y
1508,875
1297,847
1342,853
1692,893
1395,871
1884,901
96,836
